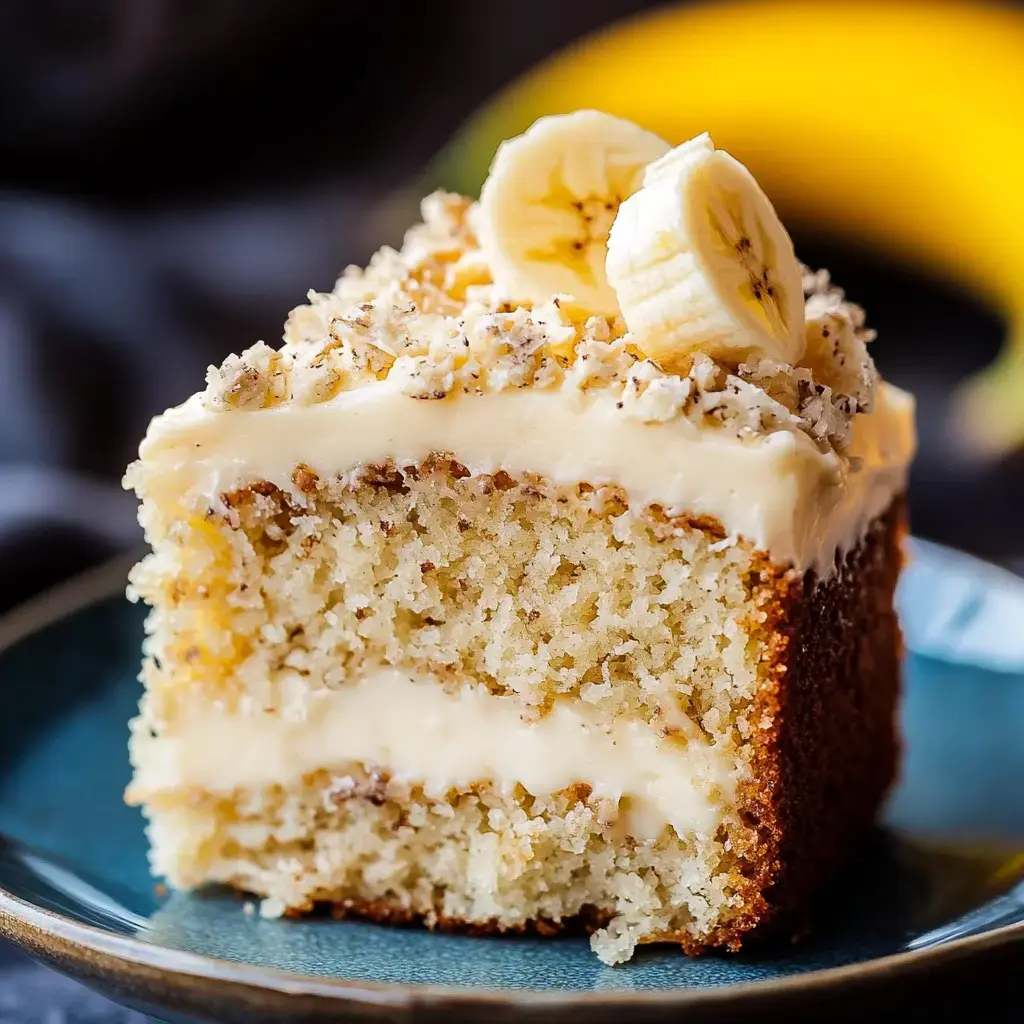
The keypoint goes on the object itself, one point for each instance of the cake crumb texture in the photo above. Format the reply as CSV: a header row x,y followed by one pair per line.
x,y
532,590
538,593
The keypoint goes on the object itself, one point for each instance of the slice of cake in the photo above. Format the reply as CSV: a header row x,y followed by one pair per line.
x,y
544,573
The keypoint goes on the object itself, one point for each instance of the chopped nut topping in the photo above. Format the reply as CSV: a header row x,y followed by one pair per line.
x,y
257,379
430,317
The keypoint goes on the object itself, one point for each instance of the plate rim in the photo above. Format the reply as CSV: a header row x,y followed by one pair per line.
x,y
28,926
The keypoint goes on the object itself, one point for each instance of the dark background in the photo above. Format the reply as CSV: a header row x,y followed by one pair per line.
x,y
175,174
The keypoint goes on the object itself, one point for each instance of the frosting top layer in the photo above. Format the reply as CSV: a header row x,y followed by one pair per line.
x,y
421,353
779,491
430,318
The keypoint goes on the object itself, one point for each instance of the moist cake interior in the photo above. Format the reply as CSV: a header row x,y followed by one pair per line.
x,y
540,597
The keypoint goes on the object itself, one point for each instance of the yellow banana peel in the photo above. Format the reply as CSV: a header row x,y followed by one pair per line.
x,y
899,125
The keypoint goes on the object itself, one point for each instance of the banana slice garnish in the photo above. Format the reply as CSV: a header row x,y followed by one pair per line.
x,y
549,202
700,261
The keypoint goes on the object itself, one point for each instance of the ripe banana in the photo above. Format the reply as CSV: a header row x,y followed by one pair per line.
x,y
700,261
549,200
896,123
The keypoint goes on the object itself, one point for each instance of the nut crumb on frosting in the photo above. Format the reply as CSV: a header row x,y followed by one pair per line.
x,y
430,318
258,379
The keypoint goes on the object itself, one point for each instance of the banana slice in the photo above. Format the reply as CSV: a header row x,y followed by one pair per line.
x,y
700,262
549,201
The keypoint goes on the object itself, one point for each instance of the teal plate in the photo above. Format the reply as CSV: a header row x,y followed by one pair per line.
x,y
943,877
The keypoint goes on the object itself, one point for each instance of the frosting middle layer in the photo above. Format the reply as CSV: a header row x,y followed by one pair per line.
x,y
779,491
419,733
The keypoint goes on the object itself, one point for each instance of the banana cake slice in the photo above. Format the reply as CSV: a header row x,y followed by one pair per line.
x,y
544,573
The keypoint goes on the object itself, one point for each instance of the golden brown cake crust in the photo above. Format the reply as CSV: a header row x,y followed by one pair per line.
x,y
384,912
821,770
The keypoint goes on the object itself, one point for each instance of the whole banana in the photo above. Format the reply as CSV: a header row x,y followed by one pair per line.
x,y
898,124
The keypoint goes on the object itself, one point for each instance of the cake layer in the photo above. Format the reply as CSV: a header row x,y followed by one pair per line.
x,y
779,491
481,860
533,590
415,731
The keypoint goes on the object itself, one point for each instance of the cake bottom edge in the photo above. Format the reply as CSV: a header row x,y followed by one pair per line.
x,y
590,920
773,929
483,861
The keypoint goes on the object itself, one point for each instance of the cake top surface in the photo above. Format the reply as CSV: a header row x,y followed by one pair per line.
x,y
611,310
431,318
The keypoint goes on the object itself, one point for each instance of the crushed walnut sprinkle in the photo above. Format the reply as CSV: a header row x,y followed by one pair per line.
x,y
430,319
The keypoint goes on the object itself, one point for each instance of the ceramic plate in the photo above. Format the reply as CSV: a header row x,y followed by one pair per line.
x,y
942,878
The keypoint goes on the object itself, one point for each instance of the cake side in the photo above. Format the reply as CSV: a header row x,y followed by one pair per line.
x,y
830,688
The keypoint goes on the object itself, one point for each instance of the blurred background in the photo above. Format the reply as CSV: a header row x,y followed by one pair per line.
x,y
175,174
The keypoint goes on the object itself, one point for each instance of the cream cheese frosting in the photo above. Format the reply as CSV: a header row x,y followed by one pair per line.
x,y
779,491
428,737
